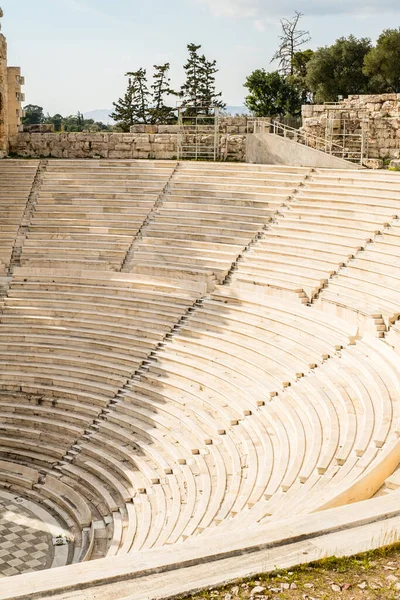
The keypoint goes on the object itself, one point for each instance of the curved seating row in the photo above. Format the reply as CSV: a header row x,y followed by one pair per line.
x,y
330,220
339,424
73,340
16,181
203,439
367,290
89,212
144,411
188,441
211,212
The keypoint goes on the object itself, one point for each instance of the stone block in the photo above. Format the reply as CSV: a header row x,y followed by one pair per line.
x,y
122,147
137,129
373,163
168,129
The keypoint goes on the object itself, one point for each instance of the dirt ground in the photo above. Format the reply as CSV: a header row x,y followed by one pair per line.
x,y
366,576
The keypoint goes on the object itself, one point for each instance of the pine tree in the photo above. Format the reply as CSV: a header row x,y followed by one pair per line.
x,y
209,96
160,112
198,91
191,89
134,106
142,95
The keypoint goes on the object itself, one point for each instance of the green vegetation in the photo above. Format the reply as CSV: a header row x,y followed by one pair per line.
x,y
34,115
134,106
382,64
371,575
338,69
272,94
198,93
198,90
348,66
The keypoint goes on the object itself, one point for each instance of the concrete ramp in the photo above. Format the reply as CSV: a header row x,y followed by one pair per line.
x,y
268,148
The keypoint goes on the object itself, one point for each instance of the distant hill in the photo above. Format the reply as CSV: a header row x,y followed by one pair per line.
x,y
102,114
237,110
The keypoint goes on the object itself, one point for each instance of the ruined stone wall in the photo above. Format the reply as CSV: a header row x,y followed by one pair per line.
x,y
115,145
3,97
241,125
380,112
15,98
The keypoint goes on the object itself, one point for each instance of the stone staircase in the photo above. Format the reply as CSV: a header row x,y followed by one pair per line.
x,y
189,350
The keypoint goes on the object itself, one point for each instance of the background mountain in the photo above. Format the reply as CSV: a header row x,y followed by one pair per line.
x,y
102,114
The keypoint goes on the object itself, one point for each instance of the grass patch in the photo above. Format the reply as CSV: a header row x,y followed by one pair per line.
x,y
369,576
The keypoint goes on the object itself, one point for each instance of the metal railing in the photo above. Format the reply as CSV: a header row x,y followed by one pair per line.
x,y
326,144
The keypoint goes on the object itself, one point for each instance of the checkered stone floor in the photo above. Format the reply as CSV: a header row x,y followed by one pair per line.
x,y
25,542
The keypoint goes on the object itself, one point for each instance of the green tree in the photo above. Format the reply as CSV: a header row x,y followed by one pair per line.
x,y
338,69
160,112
74,123
208,93
299,78
142,95
134,106
125,108
34,115
290,41
199,90
56,120
382,63
191,88
272,94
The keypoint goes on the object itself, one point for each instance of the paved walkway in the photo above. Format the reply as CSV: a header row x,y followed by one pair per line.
x,y
26,537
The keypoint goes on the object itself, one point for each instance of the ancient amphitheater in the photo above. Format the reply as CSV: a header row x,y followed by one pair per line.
x,y
200,372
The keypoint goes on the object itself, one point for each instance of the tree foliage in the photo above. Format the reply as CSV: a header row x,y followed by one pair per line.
x,y
299,78
199,89
382,63
160,112
56,120
75,123
139,105
338,69
272,94
34,115
290,41
210,97
133,107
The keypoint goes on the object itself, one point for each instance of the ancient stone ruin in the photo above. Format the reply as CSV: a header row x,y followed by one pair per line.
x,y
199,365
375,116
10,98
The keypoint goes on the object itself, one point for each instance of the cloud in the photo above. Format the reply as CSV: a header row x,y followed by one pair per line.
x,y
263,11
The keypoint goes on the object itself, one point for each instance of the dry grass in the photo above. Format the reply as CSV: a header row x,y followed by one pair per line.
x,y
367,576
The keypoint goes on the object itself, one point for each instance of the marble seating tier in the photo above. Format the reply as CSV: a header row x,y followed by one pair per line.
x,y
190,349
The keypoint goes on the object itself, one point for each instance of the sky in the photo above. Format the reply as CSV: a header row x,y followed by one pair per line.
x,y
74,53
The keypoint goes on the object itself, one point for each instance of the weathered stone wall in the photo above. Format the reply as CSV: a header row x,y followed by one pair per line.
x,y
116,145
15,98
241,125
3,97
381,113
10,98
